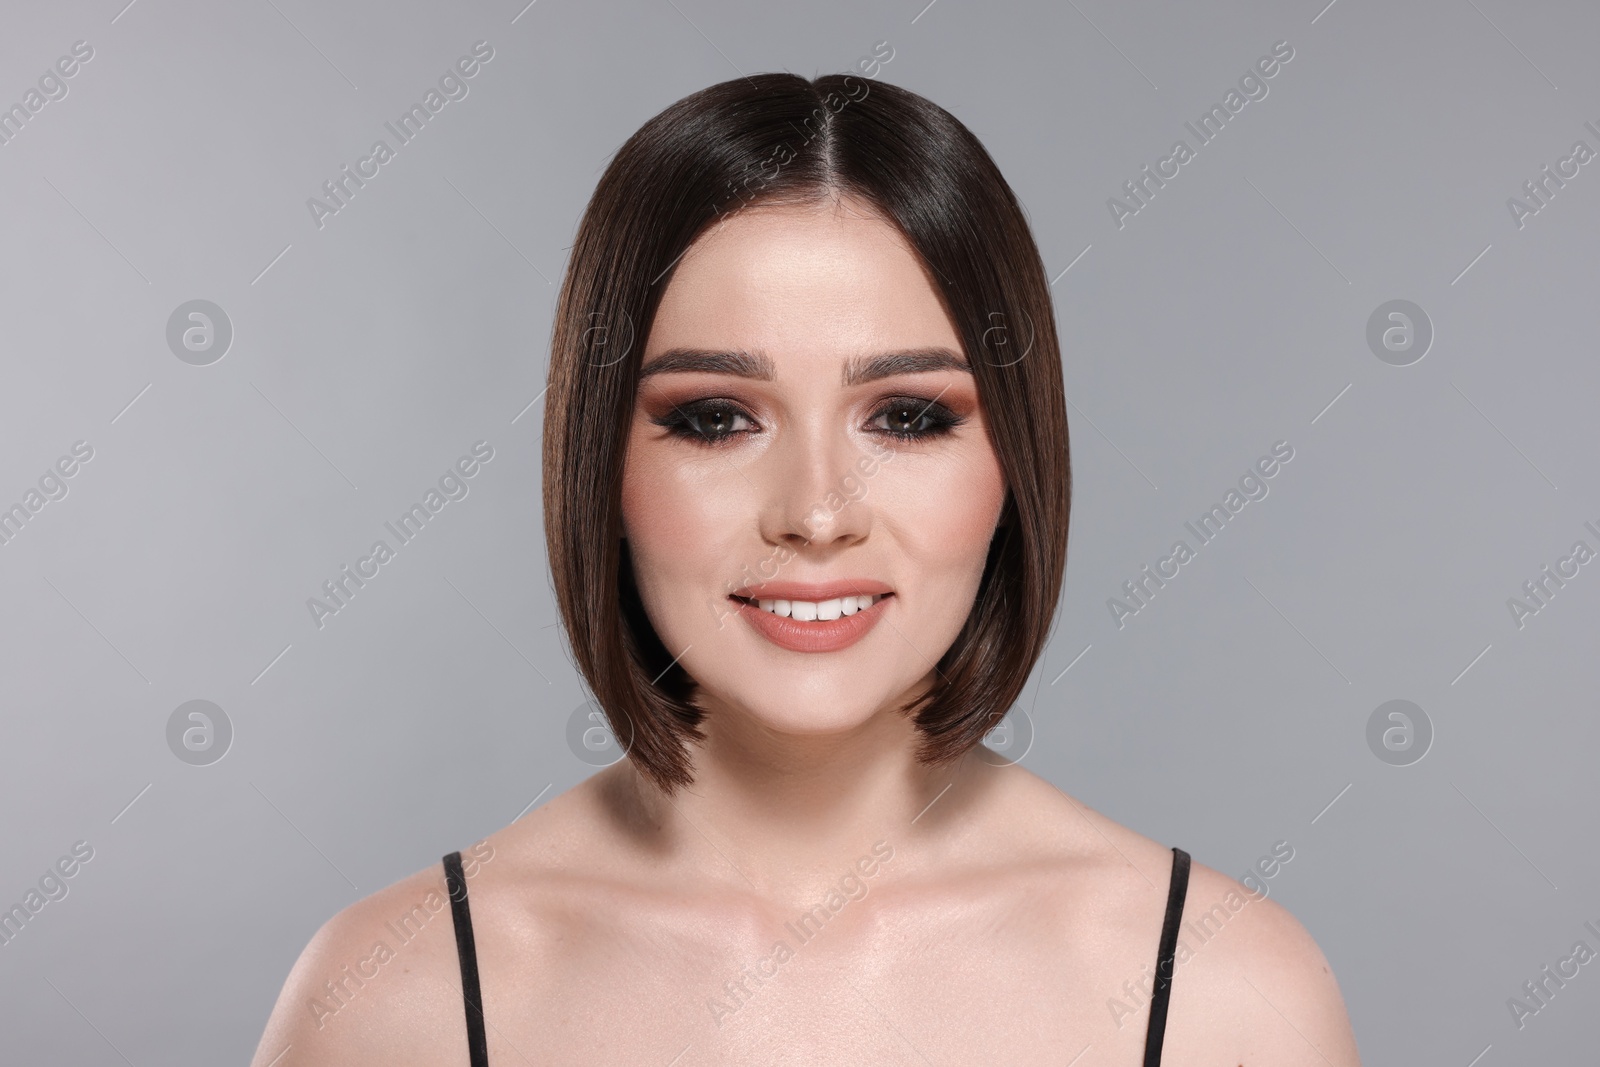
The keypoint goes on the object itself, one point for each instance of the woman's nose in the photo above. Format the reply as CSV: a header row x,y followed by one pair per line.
x,y
814,493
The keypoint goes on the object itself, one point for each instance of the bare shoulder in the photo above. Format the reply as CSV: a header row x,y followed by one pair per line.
x,y
1250,984
378,983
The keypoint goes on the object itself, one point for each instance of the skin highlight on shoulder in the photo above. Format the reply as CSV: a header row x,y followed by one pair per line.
x,y
377,984
1250,984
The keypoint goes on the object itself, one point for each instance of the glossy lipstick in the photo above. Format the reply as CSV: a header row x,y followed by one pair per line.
x,y
815,636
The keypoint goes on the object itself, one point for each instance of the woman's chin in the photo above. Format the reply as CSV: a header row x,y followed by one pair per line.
x,y
806,719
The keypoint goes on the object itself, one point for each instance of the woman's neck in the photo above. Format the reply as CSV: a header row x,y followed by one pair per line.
x,y
782,814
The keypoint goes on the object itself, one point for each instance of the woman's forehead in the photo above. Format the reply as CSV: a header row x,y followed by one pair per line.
x,y
802,278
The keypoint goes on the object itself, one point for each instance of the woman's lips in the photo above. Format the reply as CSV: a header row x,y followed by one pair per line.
x,y
818,636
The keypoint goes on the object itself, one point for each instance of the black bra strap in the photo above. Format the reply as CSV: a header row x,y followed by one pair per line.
x,y
456,881
1176,891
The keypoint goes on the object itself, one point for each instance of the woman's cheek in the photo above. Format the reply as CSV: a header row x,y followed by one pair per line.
x,y
658,498
949,506
675,524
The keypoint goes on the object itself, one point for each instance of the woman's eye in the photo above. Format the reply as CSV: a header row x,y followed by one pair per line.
x,y
910,419
705,422
714,422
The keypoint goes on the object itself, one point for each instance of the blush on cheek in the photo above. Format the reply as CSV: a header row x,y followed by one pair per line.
x,y
973,526
683,537
675,516
949,508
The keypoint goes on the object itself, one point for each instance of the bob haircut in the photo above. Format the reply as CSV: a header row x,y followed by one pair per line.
x,y
782,139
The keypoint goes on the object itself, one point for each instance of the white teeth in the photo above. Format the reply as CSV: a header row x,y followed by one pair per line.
x,y
824,611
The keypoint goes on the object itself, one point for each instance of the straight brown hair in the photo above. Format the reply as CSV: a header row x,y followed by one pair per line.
x,y
781,138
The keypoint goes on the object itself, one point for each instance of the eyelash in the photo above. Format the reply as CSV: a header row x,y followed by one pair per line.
x,y
941,419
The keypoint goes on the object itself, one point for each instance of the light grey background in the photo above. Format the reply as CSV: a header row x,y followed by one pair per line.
x,y
369,354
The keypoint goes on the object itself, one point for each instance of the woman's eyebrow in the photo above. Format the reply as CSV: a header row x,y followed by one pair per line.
x,y
912,361
704,361
758,366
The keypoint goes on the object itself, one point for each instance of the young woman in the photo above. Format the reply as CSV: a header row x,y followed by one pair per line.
x,y
806,496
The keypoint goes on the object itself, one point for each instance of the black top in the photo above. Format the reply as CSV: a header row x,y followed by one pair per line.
x,y
477,1042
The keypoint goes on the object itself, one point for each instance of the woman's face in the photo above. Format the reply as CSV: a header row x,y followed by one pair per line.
x,y
807,431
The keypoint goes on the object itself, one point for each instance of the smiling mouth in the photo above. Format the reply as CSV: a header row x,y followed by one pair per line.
x,y
813,610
